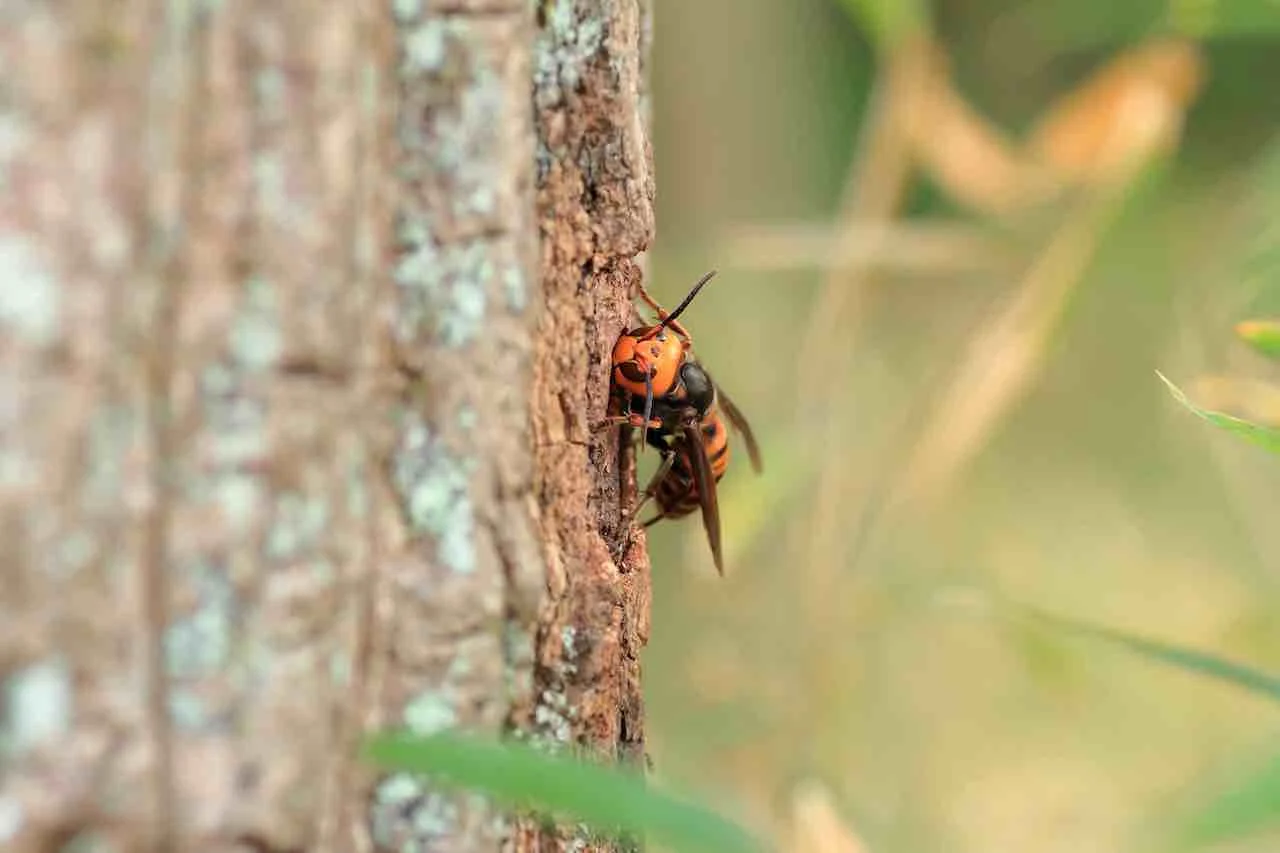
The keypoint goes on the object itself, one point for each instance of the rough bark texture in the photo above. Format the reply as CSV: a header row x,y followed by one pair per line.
x,y
464,575
293,442
191,264
595,209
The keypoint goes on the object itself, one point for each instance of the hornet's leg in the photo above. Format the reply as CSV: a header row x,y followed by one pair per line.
x,y
650,491
622,420
611,421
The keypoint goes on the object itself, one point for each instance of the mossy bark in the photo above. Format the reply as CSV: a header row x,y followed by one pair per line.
x,y
305,313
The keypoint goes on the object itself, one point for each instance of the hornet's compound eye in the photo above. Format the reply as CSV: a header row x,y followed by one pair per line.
x,y
632,371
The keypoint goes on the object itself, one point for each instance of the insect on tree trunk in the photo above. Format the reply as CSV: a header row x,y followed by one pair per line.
x,y
305,315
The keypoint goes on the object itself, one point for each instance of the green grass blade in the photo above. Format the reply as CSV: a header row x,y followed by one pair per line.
x,y
1249,805
1262,335
521,777
1263,436
1069,27
1169,654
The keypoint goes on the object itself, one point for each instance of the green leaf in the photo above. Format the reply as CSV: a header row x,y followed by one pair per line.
x,y
521,777
1070,27
1218,18
887,22
1262,335
1267,437
1250,805
1261,259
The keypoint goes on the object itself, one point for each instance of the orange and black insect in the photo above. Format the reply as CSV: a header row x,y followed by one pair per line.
x,y
693,461
680,417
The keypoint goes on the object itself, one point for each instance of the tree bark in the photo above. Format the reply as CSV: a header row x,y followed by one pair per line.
x,y
305,316
595,215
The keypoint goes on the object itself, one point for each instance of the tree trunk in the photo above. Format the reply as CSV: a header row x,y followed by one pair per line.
x,y
305,316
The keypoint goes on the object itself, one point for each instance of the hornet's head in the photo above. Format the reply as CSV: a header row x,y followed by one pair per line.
x,y
646,361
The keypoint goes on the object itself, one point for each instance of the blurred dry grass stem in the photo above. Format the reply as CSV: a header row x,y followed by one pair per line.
x,y
1122,116
816,825
903,248
968,157
1098,139
1095,135
874,191
1003,358
1103,134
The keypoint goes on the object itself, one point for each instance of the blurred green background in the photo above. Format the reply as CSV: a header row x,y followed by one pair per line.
x,y
857,639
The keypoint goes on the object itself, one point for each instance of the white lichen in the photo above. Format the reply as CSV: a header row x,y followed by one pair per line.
x,y
12,816
256,339
424,48
430,713
30,300
39,705
434,489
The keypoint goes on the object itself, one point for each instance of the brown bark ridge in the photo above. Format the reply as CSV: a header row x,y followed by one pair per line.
x,y
595,213
294,419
